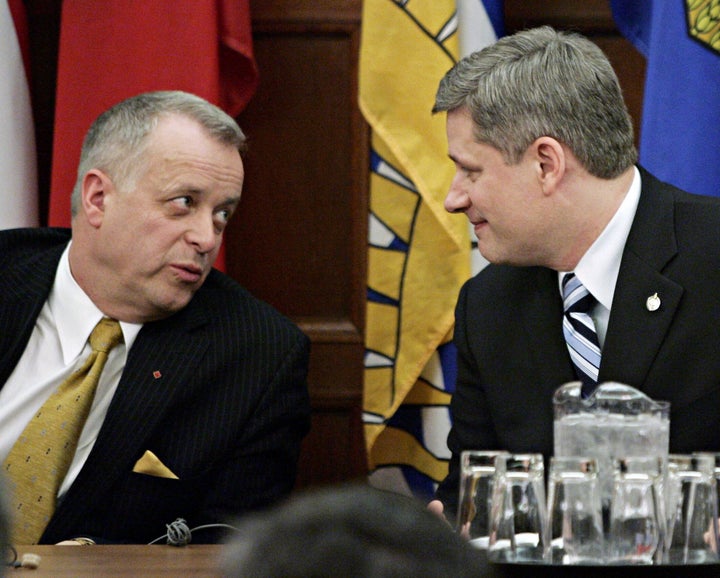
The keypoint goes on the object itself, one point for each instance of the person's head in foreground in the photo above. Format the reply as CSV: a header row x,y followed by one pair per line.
x,y
350,531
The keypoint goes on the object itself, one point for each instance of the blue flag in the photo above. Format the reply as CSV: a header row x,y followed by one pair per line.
x,y
680,128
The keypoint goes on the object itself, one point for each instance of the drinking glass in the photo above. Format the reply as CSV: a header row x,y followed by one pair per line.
x,y
575,511
637,513
691,503
477,469
716,458
518,511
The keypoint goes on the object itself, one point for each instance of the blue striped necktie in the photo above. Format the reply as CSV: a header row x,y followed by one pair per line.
x,y
579,331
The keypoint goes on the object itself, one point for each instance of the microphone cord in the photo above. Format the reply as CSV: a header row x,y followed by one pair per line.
x,y
180,534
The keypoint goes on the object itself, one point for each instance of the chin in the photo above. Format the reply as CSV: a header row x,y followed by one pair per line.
x,y
167,308
500,257
492,256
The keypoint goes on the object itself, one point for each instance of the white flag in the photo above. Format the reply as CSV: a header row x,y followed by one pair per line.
x,y
476,28
18,164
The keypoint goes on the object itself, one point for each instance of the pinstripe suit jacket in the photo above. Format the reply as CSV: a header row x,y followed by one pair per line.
x,y
512,355
226,415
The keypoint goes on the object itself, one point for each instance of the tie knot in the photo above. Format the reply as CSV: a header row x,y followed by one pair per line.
x,y
106,335
576,299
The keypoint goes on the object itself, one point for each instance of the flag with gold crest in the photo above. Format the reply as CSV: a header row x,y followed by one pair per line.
x,y
680,128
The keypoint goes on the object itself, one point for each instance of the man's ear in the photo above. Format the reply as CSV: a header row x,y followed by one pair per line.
x,y
551,162
95,187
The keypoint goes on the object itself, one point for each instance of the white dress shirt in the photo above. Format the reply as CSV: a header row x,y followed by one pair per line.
x,y
599,267
57,347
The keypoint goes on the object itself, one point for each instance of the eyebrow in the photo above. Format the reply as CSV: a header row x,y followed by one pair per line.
x,y
234,200
470,166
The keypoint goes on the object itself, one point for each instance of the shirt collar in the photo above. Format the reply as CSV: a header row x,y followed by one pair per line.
x,y
75,315
599,267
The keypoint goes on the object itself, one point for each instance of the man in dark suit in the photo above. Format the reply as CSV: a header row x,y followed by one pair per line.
x,y
543,146
200,411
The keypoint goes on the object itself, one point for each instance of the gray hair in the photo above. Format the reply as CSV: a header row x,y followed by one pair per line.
x,y
543,82
116,141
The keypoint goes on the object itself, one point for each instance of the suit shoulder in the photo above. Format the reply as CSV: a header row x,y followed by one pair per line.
x,y
683,200
17,245
498,290
507,280
697,222
224,297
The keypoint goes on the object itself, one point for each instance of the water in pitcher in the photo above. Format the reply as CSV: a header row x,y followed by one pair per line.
x,y
615,421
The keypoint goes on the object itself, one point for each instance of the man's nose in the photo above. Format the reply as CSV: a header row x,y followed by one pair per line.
x,y
456,200
202,234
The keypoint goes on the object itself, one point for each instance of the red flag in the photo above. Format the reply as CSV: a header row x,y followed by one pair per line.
x,y
17,10
112,50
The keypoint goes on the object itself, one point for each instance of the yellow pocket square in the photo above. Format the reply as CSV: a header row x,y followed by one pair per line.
x,y
151,465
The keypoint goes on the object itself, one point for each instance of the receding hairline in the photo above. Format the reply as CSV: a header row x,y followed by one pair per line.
x,y
116,140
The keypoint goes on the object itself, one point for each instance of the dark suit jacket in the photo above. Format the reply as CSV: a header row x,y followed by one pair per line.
x,y
226,414
512,355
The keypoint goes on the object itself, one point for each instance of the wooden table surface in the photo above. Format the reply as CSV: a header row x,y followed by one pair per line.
x,y
196,560
203,561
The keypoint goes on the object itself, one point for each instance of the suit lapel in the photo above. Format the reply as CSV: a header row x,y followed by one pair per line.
x,y
634,325
158,372
543,315
24,289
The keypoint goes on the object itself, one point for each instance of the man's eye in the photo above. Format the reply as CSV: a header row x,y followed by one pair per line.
x,y
183,202
222,217
472,174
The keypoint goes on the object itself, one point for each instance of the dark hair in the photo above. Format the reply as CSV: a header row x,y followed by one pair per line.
x,y
350,531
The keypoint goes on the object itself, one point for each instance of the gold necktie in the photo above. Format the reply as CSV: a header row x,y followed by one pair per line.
x,y
40,458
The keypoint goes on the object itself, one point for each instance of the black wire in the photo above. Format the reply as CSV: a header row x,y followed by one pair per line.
x,y
14,562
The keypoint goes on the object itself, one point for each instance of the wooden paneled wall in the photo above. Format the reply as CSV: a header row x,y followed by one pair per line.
x,y
299,240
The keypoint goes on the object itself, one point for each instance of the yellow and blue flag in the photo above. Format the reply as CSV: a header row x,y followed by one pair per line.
x,y
418,254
